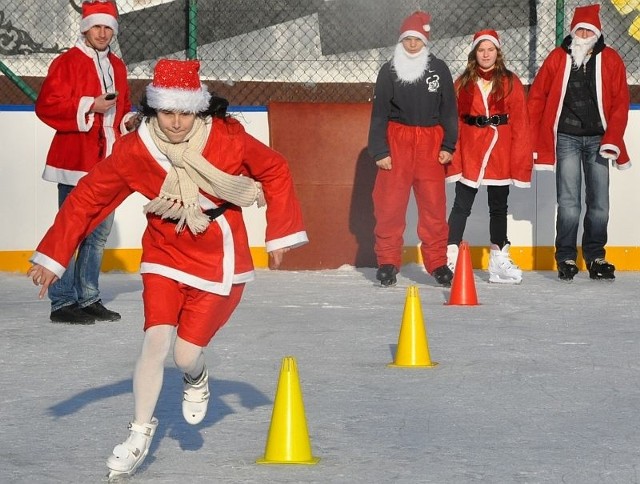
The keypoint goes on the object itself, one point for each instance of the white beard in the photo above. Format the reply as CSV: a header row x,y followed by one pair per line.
x,y
409,67
580,49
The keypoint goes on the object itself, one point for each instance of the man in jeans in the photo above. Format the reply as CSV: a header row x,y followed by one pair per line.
x,y
85,98
578,108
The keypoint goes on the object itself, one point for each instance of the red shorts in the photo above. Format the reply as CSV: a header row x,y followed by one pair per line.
x,y
197,314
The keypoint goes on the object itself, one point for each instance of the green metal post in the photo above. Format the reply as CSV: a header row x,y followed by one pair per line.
x,y
192,30
23,86
559,21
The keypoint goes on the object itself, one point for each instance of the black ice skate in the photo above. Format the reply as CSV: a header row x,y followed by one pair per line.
x,y
600,269
387,275
567,269
443,275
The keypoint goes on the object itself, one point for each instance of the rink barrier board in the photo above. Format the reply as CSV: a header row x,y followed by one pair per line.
x,y
528,258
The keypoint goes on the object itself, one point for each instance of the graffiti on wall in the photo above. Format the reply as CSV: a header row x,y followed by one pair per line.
x,y
14,41
303,40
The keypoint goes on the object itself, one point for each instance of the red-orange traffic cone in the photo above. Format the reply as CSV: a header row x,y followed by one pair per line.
x,y
463,287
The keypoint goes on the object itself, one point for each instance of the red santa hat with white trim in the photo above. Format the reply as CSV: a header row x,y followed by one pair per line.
x,y
486,34
176,87
416,25
587,17
99,12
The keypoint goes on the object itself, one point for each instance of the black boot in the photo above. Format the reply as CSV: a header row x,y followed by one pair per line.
x,y
99,312
600,269
567,269
71,314
387,275
443,275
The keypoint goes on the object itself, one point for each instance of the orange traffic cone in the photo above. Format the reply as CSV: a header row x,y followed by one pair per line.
x,y
288,440
413,348
463,287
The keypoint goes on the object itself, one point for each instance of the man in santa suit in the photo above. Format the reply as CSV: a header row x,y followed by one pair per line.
x,y
412,135
85,98
198,167
578,109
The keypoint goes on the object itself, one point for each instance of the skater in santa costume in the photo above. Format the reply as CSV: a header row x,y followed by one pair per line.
x,y
493,150
197,166
578,109
412,135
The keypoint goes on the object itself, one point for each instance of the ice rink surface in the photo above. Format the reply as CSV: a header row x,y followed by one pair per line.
x,y
539,383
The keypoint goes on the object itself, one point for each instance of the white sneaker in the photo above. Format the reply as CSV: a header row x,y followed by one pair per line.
x,y
452,257
128,456
195,398
501,268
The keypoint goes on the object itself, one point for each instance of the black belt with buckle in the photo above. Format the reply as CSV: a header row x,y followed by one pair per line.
x,y
212,213
484,121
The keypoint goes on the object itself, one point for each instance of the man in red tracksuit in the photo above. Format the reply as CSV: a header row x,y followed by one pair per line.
x,y
413,133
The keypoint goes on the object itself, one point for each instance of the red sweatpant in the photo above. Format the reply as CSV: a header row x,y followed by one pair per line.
x,y
414,158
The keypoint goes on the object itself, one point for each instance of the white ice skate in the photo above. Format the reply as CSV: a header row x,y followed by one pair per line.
x,y
195,398
452,256
502,270
128,456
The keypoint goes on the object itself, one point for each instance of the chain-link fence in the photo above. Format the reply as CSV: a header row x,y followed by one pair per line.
x,y
257,51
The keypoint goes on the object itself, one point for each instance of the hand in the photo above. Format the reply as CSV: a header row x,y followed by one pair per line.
x,y
384,163
133,122
444,157
101,105
276,257
41,276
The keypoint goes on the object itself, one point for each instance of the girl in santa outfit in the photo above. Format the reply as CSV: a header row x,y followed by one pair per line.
x,y
493,149
198,167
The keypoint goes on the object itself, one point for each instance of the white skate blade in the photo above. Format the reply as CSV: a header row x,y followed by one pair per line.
x,y
117,476
114,475
497,279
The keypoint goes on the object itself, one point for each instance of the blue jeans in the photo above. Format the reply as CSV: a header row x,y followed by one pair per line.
x,y
577,154
79,284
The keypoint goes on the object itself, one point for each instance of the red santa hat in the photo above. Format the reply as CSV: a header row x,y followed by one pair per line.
x,y
176,87
486,34
587,18
416,25
99,12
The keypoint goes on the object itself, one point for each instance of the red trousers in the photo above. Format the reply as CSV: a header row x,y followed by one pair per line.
x,y
197,314
414,158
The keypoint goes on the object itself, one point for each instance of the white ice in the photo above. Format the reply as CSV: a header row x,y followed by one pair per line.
x,y
537,384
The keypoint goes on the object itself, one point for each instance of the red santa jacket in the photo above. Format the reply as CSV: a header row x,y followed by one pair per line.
x,y
493,155
81,139
210,261
547,93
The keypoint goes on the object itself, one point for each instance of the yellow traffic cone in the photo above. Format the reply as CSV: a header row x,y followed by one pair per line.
x,y
413,349
288,440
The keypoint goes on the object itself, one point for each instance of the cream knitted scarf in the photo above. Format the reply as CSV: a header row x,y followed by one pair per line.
x,y
190,171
